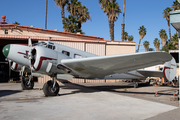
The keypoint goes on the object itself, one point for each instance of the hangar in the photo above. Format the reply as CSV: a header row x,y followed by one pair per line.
x,y
12,33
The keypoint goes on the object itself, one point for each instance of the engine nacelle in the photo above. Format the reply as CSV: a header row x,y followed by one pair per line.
x,y
16,67
45,60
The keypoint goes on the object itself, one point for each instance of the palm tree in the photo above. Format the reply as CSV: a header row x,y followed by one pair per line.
x,y
156,43
163,36
125,36
62,4
175,40
130,38
151,49
112,10
16,23
142,33
176,5
70,24
83,15
122,33
167,16
75,8
146,45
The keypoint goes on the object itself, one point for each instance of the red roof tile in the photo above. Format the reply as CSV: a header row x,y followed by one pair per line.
x,y
4,26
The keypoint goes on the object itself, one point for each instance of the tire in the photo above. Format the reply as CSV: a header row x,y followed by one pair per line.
x,y
135,85
47,88
24,83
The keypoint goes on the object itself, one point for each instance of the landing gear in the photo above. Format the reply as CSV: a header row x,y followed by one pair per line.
x,y
26,84
51,88
135,85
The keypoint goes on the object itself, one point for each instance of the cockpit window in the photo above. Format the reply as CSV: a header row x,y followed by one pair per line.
x,y
50,45
40,44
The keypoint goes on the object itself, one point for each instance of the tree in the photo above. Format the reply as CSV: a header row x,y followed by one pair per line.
x,y
163,36
130,38
166,15
168,47
175,40
151,49
142,33
78,10
16,23
146,45
74,7
70,24
156,43
122,33
176,5
62,4
83,15
125,36
112,10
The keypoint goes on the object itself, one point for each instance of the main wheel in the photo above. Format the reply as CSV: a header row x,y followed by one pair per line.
x,y
49,90
25,85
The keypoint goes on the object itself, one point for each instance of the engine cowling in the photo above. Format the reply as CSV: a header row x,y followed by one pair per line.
x,y
45,60
16,67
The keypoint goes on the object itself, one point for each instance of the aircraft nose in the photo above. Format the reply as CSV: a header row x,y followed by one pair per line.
x,y
5,50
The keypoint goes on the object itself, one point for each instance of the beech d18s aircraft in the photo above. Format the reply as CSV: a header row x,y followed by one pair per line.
x,y
52,59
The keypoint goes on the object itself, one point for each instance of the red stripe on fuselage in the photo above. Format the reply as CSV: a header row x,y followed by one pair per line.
x,y
24,53
41,60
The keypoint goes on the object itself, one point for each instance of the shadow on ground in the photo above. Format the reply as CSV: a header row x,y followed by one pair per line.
x,y
8,92
111,88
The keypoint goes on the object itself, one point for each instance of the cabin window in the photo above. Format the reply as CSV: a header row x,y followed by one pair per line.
x,y
77,56
66,53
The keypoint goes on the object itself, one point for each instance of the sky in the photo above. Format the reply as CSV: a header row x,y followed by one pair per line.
x,y
137,13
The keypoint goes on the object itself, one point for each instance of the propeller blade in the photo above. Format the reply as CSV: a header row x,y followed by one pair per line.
x,y
30,57
30,46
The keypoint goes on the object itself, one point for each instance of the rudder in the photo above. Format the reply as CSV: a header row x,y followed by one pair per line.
x,y
169,70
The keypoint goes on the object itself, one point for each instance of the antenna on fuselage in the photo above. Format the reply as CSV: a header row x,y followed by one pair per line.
x,y
49,39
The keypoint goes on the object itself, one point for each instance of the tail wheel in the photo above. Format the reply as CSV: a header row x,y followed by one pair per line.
x,y
25,83
49,90
136,85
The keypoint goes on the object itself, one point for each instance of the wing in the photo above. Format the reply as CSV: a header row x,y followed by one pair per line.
x,y
151,73
95,67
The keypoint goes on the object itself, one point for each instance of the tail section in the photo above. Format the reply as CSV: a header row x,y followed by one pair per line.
x,y
169,70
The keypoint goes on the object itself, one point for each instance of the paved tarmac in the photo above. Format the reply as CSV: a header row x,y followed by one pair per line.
x,y
80,102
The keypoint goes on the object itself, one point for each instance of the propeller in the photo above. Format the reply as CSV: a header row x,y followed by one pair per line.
x,y
30,57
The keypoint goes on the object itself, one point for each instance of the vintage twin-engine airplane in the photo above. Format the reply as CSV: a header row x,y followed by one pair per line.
x,y
54,59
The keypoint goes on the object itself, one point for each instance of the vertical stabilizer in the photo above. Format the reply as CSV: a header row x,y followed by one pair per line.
x,y
169,70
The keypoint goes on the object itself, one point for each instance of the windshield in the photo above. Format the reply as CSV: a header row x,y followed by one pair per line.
x,y
40,44
50,45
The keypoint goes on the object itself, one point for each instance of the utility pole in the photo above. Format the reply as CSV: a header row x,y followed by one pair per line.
x,y
46,15
122,33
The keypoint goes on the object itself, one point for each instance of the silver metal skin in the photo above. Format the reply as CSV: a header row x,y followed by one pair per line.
x,y
50,58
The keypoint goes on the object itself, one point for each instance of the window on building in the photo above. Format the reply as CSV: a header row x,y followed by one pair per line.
x,y
66,53
5,31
